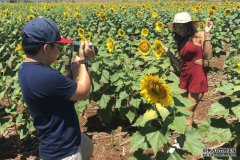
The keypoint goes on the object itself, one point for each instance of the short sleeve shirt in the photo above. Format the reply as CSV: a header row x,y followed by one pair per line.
x,y
46,93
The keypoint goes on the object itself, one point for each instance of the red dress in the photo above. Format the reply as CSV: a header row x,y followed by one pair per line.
x,y
192,76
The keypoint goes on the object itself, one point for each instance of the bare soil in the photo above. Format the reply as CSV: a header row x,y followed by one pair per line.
x,y
111,142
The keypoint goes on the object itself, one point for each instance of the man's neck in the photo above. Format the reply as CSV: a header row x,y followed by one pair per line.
x,y
34,59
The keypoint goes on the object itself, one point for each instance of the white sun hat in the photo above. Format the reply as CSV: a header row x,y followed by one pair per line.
x,y
182,17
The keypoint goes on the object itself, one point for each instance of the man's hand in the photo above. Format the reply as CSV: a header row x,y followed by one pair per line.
x,y
85,52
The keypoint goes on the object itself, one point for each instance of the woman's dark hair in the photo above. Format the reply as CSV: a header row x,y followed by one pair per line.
x,y
190,31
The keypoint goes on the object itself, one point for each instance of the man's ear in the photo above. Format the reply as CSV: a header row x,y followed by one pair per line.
x,y
46,48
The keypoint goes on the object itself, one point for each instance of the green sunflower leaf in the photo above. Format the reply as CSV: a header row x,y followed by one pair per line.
x,y
193,142
218,109
137,141
156,139
179,124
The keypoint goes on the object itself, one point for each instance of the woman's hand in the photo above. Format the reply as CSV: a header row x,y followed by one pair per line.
x,y
208,25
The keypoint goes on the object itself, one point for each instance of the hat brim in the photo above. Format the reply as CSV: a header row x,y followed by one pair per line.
x,y
65,41
170,25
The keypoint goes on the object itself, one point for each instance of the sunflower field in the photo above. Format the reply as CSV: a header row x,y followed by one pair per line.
x,y
132,75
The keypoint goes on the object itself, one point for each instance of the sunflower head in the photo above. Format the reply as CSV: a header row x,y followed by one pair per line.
x,y
144,47
159,48
139,14
181,9
155,90
30,17
76,10
77,15
19,49
154,14
238,66
80,32
201,25
113,9
102,6
20,18
159,26
89,35
64,15
210,12
237,5
144,32
213,7
110,44
102,15
5,12
121,32
227,11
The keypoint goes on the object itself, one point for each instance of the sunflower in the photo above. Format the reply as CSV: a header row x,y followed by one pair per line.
x,y
84,39
155,90
30,17
181,9
237,5
64,15
102,15
149,115
159,25
102,6
121,32
139,14
238,66
201,24
89,35
110,44
20,18
5,12
31,9
77,15
124,11
113,9
68,10
154,14
227,11
144,47
76,10
213,7
210,12
19,49
144,32
159,48
80,32
44,8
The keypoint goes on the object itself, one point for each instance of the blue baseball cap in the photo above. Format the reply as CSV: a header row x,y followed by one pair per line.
x,y
40,31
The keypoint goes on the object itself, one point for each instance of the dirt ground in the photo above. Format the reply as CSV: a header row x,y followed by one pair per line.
x,y
109,143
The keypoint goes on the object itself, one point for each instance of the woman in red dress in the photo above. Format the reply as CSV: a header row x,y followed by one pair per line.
x,y
193,47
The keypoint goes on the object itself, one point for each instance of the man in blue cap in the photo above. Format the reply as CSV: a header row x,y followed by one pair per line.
x,y
50,96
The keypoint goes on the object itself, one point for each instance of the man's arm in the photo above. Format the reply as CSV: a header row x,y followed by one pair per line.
x,y
80,73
